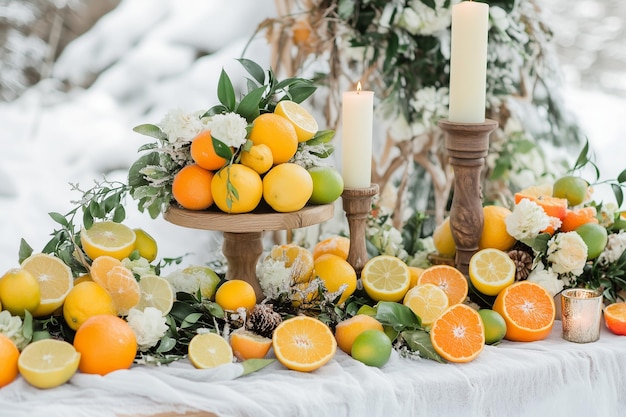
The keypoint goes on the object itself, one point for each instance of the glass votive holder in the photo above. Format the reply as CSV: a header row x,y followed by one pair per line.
x,y
581,314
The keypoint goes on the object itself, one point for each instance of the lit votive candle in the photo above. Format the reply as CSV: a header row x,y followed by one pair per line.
x,y
468,62
357,123
581,314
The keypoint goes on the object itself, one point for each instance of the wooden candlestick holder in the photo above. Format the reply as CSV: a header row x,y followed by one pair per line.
x,y
467,145
357,203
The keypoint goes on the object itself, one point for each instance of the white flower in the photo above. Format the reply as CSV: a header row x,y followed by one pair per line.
x,y
499,18
229,128
191,280
420,19
546,278
139,266
149,326
568,253
274,278
181,127
11,327
616,245
526,221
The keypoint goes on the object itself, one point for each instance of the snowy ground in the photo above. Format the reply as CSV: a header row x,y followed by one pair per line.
x,y
50,139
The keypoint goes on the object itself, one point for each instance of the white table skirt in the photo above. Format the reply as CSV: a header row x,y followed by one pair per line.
x,y
546,378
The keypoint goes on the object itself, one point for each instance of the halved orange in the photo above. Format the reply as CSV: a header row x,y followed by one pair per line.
x,y
458,334
615,318
528,310
249,345
303,343
449,279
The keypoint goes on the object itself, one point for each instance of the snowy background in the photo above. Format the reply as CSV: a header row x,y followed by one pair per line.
x,y
146,52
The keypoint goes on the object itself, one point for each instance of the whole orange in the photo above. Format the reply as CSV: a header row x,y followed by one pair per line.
x,y
348,330
8,360
106,343
192,187
277,133
203,152
235,294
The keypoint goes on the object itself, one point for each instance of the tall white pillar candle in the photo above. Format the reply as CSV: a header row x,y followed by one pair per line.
x,y
468,62
357,124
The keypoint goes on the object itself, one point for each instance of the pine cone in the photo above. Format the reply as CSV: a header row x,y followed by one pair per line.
x,y
263,320
523,263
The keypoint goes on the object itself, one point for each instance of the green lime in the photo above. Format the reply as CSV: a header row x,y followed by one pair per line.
x,y
327,185
494,324
146,245
372,347
572,188
596,238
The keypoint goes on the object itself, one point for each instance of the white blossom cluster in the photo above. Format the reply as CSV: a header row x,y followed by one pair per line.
x,y
526,221
274,278
386,238
148,325
11,327
229,128
420,19
616,245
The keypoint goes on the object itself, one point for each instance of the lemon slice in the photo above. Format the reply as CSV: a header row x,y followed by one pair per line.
x,y
155,292
55,281
48,363
386,278
491,270
304,123
427,301
208,350
108,238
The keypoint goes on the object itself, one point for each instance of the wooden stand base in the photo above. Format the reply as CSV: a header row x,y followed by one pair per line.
x,y
467,145
357,203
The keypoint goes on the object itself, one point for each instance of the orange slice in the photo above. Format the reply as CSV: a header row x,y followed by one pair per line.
x,y
458,334
449,279
303,343
528,310
615,318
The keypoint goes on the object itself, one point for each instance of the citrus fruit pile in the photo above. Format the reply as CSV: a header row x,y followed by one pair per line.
x,y
262,170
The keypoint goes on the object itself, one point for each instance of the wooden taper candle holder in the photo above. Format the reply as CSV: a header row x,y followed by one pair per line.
x,y
467,145
357,203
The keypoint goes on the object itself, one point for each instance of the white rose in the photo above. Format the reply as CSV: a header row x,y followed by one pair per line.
x,y
546,278
181,127
567,252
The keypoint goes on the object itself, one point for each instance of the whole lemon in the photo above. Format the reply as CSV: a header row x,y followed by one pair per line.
x,y
237,189
259,158
85,300
443,240
146,245
494,233
287,187
19,292
336,272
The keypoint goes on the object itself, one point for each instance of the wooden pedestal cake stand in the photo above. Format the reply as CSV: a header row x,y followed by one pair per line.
x,y
243,233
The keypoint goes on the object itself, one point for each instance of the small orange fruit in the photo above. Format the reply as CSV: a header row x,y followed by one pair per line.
x,y
203,152
347,330
191,188
237,189
575,218
287,187
458,334
449,279
235,294
277,133
8,360
615,318
118,281
106,343
249,345
259,158
336,273
85,300
528,310
303,343
337,245
494,234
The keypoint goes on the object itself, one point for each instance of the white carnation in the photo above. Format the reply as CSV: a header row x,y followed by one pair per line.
x,y
139,266
229,128
526,221
11,327
148,325
568,253
547,278
274,278
181,127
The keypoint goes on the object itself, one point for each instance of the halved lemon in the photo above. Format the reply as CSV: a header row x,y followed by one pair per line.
x,y
304,123
155,292
208,350
48,363
55,281
108,238
427,301
491,271
386,278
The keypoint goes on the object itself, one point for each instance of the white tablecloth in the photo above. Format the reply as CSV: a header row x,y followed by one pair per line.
x,y
546,378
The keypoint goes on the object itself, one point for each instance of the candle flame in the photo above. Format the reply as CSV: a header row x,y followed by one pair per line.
x,y
358,87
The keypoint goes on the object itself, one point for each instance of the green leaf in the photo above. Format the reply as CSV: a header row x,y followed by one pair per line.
x,y
25,250
346,9
419,341
619,194
119,214
226,92
397,316
215,309
249,106
27,325
221,149
253,69
166,344
87,219
253,365
217,109
59,218
190,320
621,177
321,136
430,3
150,130
540,244
301,93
